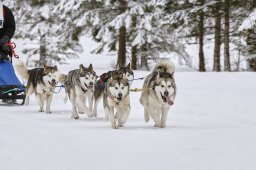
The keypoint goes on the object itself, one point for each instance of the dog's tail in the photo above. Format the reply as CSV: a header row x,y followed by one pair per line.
x,y
20,68
165,66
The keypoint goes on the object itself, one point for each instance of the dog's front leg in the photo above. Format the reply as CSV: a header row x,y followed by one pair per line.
x,y
73,102
82,105
125,115
48,103
96,102
40,102
112,118
155,114
90,101
164,116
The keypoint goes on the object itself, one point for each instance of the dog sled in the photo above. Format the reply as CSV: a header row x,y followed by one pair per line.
x,y
12,91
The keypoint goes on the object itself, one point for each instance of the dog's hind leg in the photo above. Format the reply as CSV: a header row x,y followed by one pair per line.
x,y
29,91
48,103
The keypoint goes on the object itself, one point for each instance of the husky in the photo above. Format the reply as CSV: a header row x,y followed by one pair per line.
x,y
79,86
116,97
41,81
158,93
100,84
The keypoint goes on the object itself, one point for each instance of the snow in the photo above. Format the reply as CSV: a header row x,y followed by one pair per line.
x,y
211,126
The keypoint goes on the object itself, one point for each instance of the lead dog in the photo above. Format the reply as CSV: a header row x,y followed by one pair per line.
x,y
116,97
41,81
100,84
158,94
79,86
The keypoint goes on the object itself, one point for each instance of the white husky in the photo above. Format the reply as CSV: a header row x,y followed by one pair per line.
x,y
159,91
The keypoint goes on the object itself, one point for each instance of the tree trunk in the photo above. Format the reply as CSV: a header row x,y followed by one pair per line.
x,y
201,39
217,44
122,47
42,53
144,61
227,66
134,48
122,37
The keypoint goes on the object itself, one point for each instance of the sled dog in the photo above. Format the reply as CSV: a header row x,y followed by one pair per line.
x,y
158,94
79,86
100,84
41,81
116,97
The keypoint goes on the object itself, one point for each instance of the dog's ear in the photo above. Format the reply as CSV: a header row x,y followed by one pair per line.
x,y
118,66
90,67
158,75
81,67
45,67
128,66
55,68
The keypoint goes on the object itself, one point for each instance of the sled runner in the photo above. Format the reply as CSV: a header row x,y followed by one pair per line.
x,y
11,89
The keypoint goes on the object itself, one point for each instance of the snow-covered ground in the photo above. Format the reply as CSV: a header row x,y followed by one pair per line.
x,y
212,126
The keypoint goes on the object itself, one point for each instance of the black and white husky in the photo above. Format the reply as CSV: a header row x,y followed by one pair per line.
x,y
100,84
41,81
116,98
158,94
79,86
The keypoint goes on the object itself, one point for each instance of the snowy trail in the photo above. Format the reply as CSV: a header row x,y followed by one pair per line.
x,y
212,126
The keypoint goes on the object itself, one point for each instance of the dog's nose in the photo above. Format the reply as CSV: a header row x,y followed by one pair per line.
x,y
91,83
166,93
53,80
120,95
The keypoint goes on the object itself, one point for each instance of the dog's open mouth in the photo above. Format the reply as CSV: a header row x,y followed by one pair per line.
x,y
167,99
119,98
89,87
53,84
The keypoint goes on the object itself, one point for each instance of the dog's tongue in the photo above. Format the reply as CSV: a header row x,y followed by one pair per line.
x,y
170,102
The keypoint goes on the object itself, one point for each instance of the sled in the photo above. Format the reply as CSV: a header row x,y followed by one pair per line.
x,y
11,89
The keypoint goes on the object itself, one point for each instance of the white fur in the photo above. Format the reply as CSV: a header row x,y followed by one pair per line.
x,y
43,92
151,99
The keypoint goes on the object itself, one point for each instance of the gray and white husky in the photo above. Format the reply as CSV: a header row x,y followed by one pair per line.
x,y
41,81
116,98
100,84
79,86
158,94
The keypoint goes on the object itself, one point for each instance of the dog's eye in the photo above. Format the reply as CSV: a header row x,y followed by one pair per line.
x,y
50,76
162,86
122,88
92,77
169,86
116,88
86,78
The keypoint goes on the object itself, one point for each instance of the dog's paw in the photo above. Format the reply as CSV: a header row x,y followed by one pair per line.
x,y
114,125
75,116
81,112
41,110
163,126
157,125
49,112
